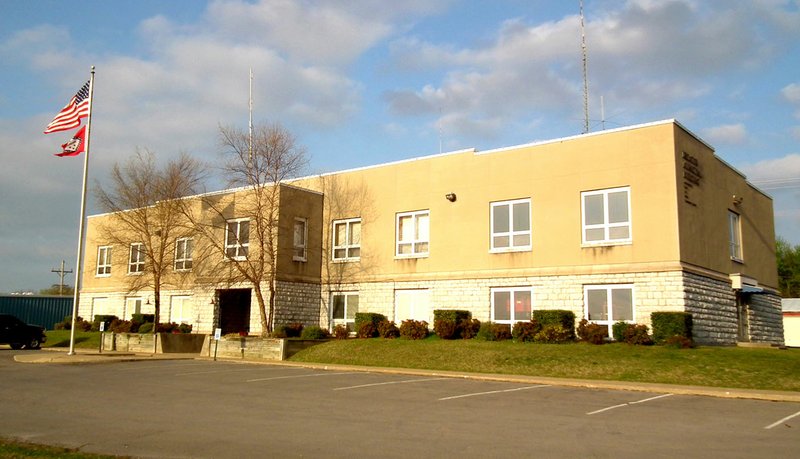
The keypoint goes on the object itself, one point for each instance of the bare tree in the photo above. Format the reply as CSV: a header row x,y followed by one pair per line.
x,y
145,205
256,168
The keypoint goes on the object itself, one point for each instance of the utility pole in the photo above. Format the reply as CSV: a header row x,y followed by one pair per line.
x,y
61,273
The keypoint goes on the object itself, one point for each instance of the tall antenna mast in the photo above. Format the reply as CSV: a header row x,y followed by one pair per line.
x,y
250,123
585,77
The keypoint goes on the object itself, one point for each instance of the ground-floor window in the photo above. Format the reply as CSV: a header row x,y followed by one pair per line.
x,y
100,306
133,305
412,304
344,306
607,304
181,310
511,305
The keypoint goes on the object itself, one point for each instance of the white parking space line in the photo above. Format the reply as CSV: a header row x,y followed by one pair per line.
x,y
252,368
777,423
476,394
300,376
629,403
406,381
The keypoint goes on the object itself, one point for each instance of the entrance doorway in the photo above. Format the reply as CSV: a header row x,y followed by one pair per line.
x,y
742,316
234,310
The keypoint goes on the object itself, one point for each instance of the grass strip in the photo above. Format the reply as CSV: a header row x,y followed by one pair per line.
x,y
83,340
14,449
746,368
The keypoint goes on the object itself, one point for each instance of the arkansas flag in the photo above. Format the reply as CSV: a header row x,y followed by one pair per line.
x,y
74,146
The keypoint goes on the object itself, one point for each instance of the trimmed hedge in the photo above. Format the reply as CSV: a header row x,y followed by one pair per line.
x,y
143,318
447,322
525,331
562,317
592,333
669,324
414,329
104,318
314,332
387,329
367,317
490,331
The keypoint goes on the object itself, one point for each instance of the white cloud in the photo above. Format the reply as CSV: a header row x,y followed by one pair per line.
x,y
726,134
791,93
774,170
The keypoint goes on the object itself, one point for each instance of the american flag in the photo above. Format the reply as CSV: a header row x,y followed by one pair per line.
x,y
70,116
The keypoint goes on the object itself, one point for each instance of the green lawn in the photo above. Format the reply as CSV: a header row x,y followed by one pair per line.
x,y
751,368
83,340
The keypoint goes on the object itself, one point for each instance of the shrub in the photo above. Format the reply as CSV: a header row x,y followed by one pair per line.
x,y
469,328
445,328
103,318
562,317
146,328
80,324
414,329
185,328
143,318
618,330
279,332
592,333
669,324
367,330
679,342
314,332
120,326
168,327
387,329
371,317
490,331
294,330
525,331
553,334
341,332
637,335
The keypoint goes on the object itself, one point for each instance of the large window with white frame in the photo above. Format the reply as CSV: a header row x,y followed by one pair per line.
x,y
412,304
103,261
237,238
608,304
344,306
413,234
183,253
511,225
136,258
300,246
512,304
181,309
133,305
347,239
735,236
606,216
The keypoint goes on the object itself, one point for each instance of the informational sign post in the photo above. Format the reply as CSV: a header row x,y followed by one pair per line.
x,y
102,334
217,336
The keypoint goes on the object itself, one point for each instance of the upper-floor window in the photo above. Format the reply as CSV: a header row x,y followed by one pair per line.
x,y
735,236
413,234
607,304
606,216
237,238
104,260
300,239
511,225
347,239
136,258
511,305
183,253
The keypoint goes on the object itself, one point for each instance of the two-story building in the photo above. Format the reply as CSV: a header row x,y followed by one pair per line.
x,y
611,225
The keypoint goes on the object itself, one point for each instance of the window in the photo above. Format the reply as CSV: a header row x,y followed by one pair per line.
x,y
181,310
300,237
183,254
607,304
237,238
104,260
344,306
735,236
606,216
412,305
136,258
347,240
511,225
511,305
100,307
413,234
133,305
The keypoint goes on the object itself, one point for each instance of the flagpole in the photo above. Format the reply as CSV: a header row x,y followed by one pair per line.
x,y
78,263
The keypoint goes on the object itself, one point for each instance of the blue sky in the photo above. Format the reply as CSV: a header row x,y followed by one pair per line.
x,y
369,81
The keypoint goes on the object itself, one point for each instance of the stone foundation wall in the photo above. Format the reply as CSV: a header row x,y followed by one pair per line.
x,y
712,304
766,319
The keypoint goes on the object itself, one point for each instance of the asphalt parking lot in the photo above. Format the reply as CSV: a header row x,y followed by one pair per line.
x,y
194,408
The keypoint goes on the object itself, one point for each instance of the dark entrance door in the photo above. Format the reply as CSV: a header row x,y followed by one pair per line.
x,y
234,310
742,316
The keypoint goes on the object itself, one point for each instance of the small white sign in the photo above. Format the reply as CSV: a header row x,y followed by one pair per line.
x,y
102,326
217,334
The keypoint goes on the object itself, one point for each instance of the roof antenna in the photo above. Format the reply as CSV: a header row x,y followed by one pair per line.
x,y
585,77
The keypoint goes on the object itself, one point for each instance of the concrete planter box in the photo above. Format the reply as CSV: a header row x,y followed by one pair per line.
x,y
159,343
255,348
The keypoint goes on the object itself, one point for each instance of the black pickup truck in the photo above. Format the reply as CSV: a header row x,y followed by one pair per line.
x,y
18,334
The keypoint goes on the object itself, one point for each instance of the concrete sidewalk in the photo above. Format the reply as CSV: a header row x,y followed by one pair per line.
x,y
84,356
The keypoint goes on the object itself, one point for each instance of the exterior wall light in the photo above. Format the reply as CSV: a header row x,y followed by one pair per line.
x,y
450,197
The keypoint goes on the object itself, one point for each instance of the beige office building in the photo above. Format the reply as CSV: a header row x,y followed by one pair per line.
x,y
611,225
